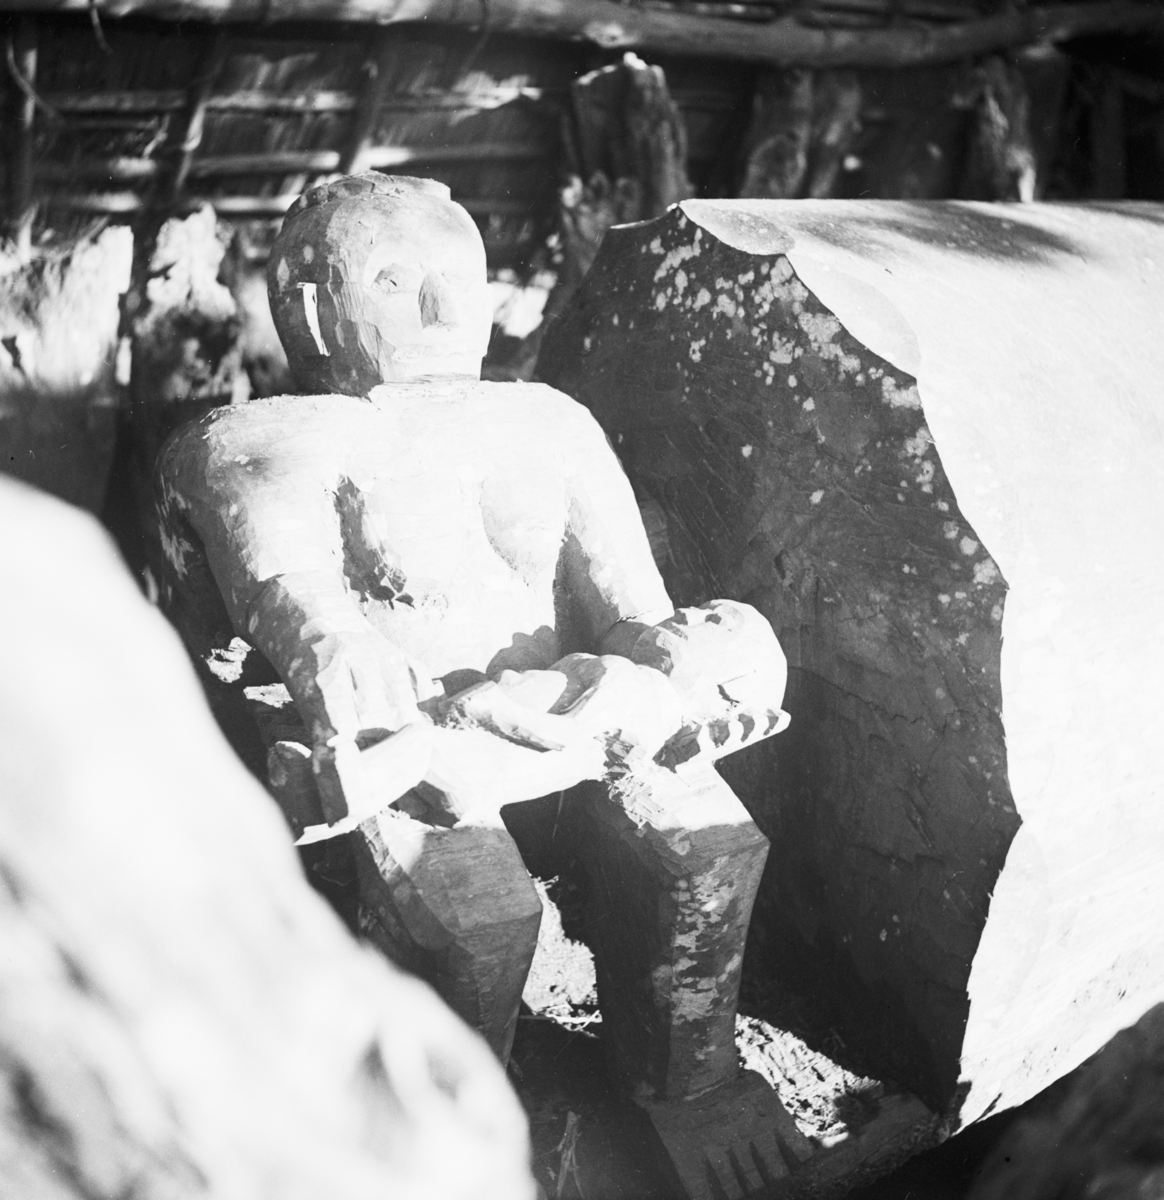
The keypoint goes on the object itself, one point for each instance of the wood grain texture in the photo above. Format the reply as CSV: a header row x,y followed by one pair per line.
x,y
868,420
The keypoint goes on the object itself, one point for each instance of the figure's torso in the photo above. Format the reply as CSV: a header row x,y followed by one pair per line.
x,y
451,503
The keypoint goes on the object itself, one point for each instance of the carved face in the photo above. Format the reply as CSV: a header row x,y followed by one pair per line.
x,y
380,287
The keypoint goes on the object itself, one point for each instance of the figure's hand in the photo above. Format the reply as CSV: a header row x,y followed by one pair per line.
x,y
610,696
370,742
356,692
582,697
355,685
454,1118
528,733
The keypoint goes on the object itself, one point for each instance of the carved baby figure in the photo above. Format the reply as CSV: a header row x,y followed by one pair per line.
x,y
452,579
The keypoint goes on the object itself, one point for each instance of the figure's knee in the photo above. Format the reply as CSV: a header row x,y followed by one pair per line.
x,y
444,886
679,825
456,907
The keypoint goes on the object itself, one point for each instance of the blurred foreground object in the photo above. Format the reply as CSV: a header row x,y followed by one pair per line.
x,y
179,1015
924,441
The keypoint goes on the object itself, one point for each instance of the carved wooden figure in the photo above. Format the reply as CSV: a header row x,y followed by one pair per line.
x,y
453,581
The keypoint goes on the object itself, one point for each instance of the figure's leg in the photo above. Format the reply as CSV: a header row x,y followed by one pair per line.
x,y
455,906
673,863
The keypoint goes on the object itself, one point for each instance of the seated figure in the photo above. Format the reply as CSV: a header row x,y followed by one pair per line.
x,y
453,582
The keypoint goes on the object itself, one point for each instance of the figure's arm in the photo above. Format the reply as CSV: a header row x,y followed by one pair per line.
x,y
609,568
719,656
274,539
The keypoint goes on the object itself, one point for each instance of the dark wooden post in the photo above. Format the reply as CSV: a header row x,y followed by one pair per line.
x,y
373,84
23,63
195,117
1108,151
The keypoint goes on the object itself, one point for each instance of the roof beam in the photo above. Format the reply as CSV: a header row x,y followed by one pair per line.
x,y
615,26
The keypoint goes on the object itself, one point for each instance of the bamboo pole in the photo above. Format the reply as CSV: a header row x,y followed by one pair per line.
x,y
614,26
126,203
288,162
98,170
79,104
171,100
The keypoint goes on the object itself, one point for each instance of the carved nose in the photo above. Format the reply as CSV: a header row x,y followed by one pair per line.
x,y
436,301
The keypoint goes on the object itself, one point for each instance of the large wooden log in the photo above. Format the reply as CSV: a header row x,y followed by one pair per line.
x,y
784,42
869,419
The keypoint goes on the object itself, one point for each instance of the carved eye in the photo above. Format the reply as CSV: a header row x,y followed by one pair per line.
x,y
392,278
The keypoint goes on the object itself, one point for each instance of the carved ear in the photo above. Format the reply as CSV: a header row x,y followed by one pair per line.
x,y
436,302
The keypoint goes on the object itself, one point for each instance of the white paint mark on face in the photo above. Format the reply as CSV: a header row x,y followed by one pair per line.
x,y
311,312
816,497
308,254
968,546
282,273
746,451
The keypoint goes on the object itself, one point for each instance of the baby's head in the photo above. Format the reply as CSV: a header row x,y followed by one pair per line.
x,y
379,279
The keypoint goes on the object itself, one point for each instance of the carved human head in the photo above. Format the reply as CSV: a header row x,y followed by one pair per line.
x,y
379,279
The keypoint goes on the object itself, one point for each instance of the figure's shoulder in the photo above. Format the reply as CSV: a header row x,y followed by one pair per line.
x,y
550,409
268,428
